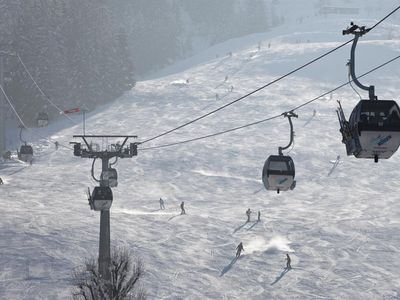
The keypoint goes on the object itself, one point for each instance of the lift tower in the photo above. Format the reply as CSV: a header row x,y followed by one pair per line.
x,y
101,197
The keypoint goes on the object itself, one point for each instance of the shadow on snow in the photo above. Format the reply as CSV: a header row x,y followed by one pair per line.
x,y
281,275
228,267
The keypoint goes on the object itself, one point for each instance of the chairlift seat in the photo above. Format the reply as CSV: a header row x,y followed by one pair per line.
x,y
26,150
111,175
102,198
278,173
42,119
375,126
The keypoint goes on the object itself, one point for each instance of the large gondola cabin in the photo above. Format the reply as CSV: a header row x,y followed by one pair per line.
x,y
375,128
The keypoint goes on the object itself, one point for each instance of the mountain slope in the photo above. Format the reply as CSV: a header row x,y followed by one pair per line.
x,y
340,230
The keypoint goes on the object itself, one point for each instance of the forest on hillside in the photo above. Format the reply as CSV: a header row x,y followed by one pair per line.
x,y
82,53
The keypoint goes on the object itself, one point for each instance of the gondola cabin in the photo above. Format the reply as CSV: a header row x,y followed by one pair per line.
x,y
278,173
375,128
111,175
101,198
42,119
25,153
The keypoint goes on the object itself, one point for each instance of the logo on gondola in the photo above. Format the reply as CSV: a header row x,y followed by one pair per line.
x,y
381,140
281,181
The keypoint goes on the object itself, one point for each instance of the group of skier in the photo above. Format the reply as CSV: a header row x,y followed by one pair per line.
x,y
248,213
240,248
182,206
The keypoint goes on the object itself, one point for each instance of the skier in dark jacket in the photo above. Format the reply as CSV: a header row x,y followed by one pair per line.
x,y
248,212
162,206
183,212
239,249
288,261
1,181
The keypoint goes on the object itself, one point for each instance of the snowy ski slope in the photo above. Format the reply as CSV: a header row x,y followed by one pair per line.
x,y
341,230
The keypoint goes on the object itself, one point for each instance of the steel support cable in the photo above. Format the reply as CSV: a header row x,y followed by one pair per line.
x,y
270,118
248,94
266,85
45,95
22,122
12,107
41,91
387,16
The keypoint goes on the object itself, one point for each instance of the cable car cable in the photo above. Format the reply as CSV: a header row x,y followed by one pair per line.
x,y
266,85
248,94
44,94
387,16
270,118
41,91
24,125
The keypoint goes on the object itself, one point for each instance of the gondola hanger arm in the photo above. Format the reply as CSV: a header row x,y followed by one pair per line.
x,y
289,115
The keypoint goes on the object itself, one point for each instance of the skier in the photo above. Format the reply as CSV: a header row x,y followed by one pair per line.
x,y
183,212
258,216
216,96
56,144
226,78
239,249
248,212
288,261
162,204
1,181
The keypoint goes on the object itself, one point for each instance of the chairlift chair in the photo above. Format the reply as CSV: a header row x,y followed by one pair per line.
x,y
25,153
373,129
278,173
101,198
42,119
111,175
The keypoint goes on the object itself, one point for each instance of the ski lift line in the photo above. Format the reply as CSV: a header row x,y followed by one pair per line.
x,y
266,85
41,91
250,93
22,122
270,118
387,16
344,84
12,106
211,135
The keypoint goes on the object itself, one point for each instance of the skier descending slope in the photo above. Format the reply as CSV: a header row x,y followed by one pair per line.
x,y
248,212
239,249
183,212
288,261
162,206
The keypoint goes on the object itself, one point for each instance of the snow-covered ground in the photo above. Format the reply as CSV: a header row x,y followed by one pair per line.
x,y
341,230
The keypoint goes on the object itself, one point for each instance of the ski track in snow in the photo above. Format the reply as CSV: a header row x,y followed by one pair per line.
x,y
341,230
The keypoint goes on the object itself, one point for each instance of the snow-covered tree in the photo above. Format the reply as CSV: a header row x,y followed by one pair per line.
x,y
126,271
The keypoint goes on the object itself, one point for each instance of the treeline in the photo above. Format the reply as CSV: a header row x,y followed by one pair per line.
x,y
73,49
88,52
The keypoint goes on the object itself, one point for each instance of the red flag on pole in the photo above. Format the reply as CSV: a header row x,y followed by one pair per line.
x,y
72,110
